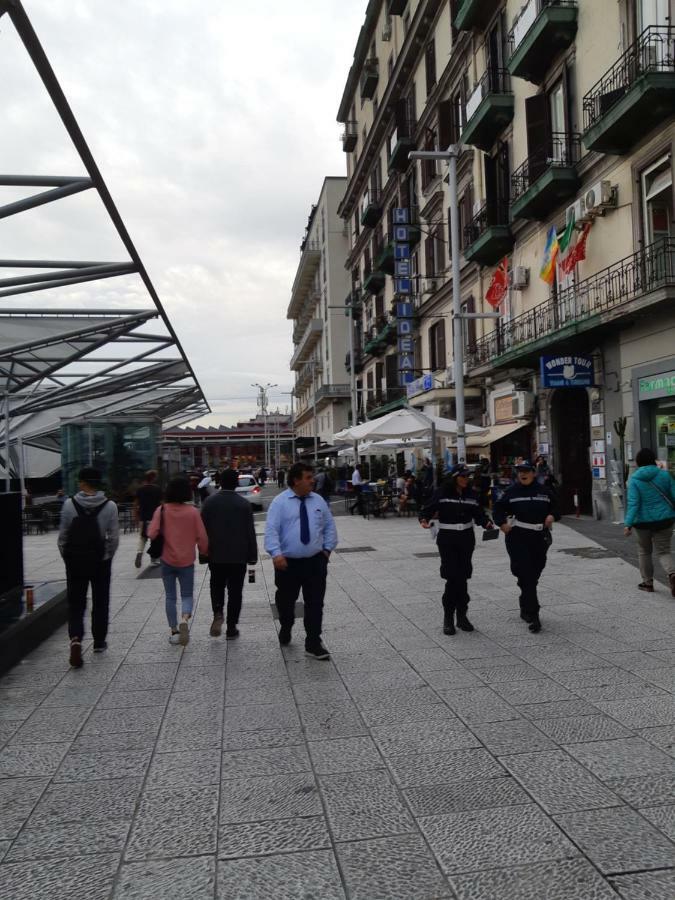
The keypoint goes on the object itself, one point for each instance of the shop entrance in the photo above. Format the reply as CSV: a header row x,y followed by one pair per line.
x,y
570,418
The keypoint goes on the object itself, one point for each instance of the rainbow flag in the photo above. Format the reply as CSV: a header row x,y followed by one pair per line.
x,y
551,251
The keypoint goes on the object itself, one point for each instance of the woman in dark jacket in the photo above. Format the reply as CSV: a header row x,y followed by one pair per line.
x,y
457,507
651,512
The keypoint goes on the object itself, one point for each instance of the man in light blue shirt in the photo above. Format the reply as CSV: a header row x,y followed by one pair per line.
x,y
300,535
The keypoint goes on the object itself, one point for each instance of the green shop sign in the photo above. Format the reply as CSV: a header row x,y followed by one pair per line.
x,y
655,386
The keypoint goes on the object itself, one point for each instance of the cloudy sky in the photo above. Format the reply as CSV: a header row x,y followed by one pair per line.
x,y
213,124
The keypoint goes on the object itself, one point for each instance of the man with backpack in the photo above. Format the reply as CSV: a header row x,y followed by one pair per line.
x,y
88,538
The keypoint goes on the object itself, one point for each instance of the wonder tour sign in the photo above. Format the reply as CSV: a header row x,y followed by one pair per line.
x,y
567,371
654,386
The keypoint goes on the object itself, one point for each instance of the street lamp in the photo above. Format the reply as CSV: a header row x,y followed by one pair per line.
x,y
262,403
451,155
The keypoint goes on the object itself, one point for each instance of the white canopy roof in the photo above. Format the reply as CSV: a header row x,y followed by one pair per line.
x,y
402,424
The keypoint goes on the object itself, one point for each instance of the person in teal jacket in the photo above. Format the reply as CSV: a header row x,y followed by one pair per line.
x,y
651,511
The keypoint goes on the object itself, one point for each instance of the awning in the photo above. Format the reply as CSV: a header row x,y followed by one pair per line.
x,y
493,433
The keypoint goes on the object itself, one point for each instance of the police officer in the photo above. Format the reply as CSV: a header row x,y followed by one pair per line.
x,y
457,507
525,513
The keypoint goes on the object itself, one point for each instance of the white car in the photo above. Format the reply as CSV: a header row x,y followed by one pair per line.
x,y
250,490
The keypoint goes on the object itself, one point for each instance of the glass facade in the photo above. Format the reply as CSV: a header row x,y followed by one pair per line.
x,y
121,449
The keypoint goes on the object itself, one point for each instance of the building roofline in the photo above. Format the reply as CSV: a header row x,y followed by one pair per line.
x,y
360,53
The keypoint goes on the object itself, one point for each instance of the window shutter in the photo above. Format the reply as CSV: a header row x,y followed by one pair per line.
x,y
432,348
470,325
445,124
441,357
440,248
429,267
536,119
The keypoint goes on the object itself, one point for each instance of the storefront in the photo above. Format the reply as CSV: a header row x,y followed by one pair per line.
x,y
654,402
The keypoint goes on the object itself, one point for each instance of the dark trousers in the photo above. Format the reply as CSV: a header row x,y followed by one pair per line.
x,y
78,581
456,549
309,575
527,551
230,576
358,504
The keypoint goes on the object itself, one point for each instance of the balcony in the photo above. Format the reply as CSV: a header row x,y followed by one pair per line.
x,y
489,109
358,361
401,142
396,7
547,178
307,342
307,373
488,237
332,392
543,29
386,401
475,14
374,281
635,285
384,260
353,302
350,136
635,96
369,78
371,208
379,336
309,263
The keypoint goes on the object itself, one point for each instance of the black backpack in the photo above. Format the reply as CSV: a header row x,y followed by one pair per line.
x,y
84,541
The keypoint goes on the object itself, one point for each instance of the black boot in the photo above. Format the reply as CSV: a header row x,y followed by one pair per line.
x,y
535,624
448,624
463,622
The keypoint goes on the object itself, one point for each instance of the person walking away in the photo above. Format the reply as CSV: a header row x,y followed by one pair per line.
x,y
228,520
300,536
525,513
281,478
89,535
148,498
205,487
182,528
650,510
457,508
357,485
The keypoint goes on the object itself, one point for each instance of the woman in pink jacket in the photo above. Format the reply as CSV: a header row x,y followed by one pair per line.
x,y
182,529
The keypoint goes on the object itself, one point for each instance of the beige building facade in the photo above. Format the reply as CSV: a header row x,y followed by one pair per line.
x,y
566,113
320,336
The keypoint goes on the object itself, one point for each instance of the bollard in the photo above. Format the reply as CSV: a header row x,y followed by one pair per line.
x,y
576,505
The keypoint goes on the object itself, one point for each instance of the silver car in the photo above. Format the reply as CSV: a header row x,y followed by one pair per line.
x,y
250,490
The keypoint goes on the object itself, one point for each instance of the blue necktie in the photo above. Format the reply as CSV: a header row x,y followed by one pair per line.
x,y
304,522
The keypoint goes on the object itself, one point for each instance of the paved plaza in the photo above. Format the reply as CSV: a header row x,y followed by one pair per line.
x,y
498,765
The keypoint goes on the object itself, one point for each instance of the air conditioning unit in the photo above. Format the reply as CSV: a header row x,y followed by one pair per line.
x,y
578,210
520,278
430,285
598,198
523,404
450,373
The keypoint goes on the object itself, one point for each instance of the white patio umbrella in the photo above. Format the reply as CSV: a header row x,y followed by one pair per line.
x,y
402,424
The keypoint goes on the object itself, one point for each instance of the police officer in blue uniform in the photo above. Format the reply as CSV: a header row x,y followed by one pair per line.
x,y
525,513
457,507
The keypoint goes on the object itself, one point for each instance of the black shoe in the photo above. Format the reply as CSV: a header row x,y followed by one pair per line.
x,y
138,560
284,635
231,633
448,624
526,617
463,622
317,650
99,648
535,625
75,658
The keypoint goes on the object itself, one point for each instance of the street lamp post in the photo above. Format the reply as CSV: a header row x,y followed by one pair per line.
x,y
451,155
262,403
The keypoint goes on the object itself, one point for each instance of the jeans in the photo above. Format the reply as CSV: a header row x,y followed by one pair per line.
x,y
650,541
230,576
186,580
78,581
308,574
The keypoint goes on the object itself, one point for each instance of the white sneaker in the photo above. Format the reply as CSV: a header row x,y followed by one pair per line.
x,y
155,562
174,637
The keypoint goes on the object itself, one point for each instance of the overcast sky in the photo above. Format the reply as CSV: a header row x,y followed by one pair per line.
x,y
213,124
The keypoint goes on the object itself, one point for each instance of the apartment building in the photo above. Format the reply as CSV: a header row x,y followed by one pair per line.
x,y
566,113
317,309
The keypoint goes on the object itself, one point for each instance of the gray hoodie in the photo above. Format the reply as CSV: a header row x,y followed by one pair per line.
x,y
108,520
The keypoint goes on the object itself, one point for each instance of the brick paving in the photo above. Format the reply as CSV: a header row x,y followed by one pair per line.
x,y
497,765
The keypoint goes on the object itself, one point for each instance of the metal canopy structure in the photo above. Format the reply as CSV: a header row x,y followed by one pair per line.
x,y
61,360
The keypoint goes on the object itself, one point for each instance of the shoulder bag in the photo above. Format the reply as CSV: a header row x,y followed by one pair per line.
x,y
157,543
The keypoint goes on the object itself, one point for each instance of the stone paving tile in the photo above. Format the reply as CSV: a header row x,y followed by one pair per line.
x,y
267,761
558,783
512,737
377,869
97,766
623,758
410,738
364,805
45,726
331,718
31,760
185,767
87,878
143,739
40,842
425,711
254,717
360,682
313,693
478,705
175,879
176,821
116,721
264,838
474,841
643,713
98,801
662,736
129,699
649,790
413,769
312,876
478,793
558,709
569,880
245,740
662,817
581,729
352,754
646,885
18,796
277,797
618,839
540,690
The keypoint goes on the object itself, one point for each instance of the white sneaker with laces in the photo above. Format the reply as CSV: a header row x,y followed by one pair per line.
x,y
174,637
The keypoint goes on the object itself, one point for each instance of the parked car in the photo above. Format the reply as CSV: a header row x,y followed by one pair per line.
x,y
250,490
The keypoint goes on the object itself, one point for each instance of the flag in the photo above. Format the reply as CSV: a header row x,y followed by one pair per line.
x,y
547,272
565,239
578,253
499,285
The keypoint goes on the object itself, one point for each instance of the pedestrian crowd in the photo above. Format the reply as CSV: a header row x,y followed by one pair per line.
x,y
300,536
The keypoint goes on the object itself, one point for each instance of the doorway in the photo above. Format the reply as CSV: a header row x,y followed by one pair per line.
x,y
570,419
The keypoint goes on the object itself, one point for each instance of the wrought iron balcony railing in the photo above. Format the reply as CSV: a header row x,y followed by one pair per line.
x,y
620,284
653,51
560,150
491,214
528,15
493,81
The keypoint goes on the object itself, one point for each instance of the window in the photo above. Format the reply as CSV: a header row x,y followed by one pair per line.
x,y
652,12
429,166
469,325
356,224
657,200
437,355
430,66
